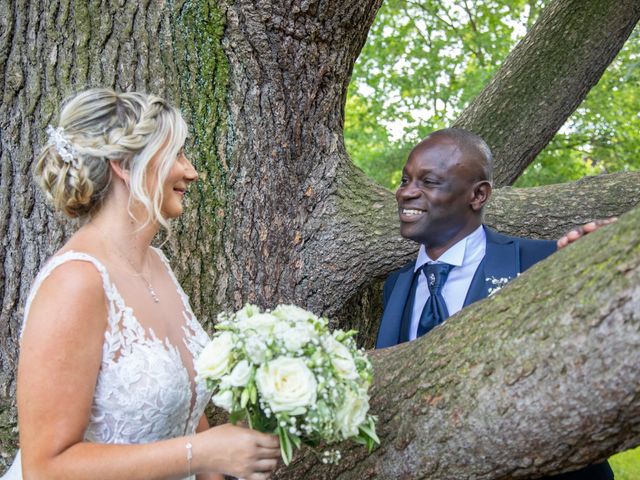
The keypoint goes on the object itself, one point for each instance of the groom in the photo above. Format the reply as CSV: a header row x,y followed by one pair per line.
x,y
445,184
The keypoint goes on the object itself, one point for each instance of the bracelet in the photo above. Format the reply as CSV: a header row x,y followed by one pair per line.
x,y
189,448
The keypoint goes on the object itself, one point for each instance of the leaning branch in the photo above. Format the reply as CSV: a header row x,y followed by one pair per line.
x,y
545,77
538,379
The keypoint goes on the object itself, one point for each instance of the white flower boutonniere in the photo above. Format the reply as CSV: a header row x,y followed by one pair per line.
x,y
497,283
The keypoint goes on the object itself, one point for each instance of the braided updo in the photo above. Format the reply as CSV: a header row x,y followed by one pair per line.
x,y
99,125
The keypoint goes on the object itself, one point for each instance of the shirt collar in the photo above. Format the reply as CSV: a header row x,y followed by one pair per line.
x,y
460,253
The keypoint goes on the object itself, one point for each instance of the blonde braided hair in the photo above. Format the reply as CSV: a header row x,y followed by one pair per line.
x,y
99,125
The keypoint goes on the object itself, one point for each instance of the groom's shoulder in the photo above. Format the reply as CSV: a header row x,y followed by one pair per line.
x,y
392,278
530,250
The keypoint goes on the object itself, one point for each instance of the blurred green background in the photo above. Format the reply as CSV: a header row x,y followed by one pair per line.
x,y
425,60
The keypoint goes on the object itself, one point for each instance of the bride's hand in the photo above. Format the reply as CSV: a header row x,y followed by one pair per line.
x,y
236,451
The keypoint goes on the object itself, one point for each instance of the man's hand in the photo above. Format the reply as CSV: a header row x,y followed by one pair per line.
x,y
578,232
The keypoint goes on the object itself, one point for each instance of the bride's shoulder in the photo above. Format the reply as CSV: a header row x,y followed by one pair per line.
x,y
79,260
69,297
74,275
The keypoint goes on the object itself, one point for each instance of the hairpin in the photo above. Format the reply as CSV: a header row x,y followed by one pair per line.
x,y
63,146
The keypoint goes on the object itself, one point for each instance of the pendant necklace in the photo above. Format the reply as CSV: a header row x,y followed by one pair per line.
x,y
147,283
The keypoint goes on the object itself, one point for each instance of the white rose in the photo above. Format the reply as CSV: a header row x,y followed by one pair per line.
x,y
341,358
223,399
294,337
247,311
352,413
256,350
240,374
287,385
261,323
293,313
215,359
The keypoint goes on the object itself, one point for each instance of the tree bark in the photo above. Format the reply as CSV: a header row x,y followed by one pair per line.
x,y
528,212
48,51
280,213
538,379
545,77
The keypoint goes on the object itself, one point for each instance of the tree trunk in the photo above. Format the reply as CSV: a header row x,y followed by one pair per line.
x,y
545,77
49,50
540,378
280,213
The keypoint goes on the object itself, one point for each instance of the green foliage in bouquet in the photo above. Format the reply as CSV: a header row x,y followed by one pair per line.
x,y
285,373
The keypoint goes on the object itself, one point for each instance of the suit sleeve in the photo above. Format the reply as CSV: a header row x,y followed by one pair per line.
x,y
388,288
533,251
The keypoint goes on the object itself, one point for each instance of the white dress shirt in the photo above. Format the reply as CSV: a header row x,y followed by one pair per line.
x,y
465,256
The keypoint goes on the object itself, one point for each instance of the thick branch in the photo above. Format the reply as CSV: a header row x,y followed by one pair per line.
x,y
549,211
540,378
364,212
290,64
545,78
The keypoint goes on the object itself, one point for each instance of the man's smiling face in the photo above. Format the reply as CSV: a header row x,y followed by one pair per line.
x,y
436,193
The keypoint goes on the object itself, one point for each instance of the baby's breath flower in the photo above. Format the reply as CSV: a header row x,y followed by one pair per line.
x,y
337,368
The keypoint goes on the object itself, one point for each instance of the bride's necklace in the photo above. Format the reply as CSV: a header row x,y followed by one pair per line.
x,y
147,282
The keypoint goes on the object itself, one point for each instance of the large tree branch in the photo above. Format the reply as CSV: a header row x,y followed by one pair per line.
x,y
290,64
340,275
545,78
540,378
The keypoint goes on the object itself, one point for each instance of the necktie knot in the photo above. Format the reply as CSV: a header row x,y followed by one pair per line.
x,y
436,274
435,310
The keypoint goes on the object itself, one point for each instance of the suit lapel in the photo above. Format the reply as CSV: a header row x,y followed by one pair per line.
x,y
478,288
391,325
501,261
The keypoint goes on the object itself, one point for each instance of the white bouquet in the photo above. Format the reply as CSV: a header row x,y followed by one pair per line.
x,y
285,373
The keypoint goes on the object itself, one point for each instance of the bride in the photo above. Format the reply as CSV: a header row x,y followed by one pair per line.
x,y
106,380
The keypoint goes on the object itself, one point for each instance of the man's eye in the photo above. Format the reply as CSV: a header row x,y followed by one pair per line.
x,y
403,181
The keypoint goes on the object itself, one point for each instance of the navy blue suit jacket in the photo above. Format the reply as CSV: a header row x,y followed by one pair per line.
x,y
505,257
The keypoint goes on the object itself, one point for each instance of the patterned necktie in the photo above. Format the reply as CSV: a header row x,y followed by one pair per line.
x,y
435,310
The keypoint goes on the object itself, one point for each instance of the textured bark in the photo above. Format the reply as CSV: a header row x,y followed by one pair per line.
x,y
545,78
541,212
280,213
511,388
55,48
290,64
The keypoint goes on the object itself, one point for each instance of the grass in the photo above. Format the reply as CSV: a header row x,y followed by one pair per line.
x,y
626,465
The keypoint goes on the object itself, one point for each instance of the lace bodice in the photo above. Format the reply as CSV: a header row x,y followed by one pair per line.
x,y
143,391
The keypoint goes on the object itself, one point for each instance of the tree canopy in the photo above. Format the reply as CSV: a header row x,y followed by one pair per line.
x,y
426,60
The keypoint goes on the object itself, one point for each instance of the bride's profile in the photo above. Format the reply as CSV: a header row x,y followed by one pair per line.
x,y
106,380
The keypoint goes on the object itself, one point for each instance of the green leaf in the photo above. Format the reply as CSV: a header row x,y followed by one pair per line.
x,y
253,392
286,451
235,417
244,398
295,440
367,434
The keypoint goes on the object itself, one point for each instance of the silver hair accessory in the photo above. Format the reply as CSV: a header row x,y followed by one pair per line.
x,y
63,146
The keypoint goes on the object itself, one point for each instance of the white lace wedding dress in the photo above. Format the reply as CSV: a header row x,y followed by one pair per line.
x,y
144,391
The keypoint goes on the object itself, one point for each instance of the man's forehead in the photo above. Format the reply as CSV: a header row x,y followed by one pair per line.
x,y
442,148
437,151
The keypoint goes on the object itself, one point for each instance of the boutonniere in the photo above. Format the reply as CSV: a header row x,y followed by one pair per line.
x,y
497,283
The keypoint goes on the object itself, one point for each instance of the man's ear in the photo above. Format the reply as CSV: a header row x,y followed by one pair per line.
x,y
481,193
120,170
